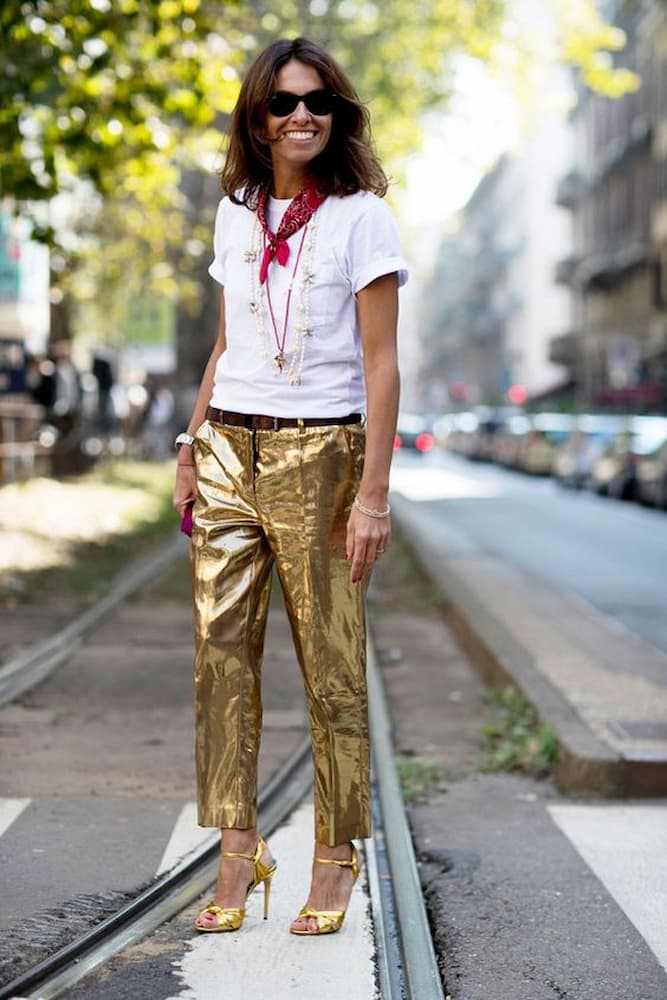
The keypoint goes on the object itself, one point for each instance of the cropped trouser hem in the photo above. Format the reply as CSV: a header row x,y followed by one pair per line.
x,y
265,500
341,834
228,818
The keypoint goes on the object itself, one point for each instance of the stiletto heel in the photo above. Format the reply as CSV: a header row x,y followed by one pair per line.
x,y
329,921
267,893
231,918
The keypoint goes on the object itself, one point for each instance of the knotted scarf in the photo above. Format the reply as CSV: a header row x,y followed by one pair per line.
x,y
298,213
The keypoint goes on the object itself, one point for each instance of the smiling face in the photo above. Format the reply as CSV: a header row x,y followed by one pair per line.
x,y
299,137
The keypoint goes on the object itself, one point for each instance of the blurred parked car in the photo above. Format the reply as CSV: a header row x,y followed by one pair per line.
x,y
455,431
508,440
538,447
615,471
488,422
651,471
574,458
413,431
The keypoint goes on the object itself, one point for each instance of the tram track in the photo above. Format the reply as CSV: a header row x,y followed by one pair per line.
x,y
28,668
161,901
406,961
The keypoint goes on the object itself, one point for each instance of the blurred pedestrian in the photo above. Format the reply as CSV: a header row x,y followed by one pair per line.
x,y
103,370
283,466
158,428
65,411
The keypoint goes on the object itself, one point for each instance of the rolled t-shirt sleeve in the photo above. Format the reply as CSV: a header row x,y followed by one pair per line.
x,y
375,248
217,267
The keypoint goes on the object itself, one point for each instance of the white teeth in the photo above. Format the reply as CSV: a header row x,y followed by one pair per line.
x,y
300,135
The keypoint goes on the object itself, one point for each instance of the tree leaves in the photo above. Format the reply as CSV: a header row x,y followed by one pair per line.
x,y
111,101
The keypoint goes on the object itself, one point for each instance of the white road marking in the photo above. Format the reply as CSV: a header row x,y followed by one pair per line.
x,y
186,836
626,846
11,809
263,959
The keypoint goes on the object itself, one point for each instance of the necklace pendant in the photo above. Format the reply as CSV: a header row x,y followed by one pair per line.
x,y
281,360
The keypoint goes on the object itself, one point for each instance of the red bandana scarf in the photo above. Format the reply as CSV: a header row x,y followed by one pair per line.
x,y
299,212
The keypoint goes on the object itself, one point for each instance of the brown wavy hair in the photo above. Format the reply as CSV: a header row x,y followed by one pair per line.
x,y
348,163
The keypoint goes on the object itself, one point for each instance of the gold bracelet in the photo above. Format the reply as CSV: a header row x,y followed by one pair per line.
x,y
370,511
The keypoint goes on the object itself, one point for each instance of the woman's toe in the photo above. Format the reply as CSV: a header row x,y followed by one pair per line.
x,y
303,924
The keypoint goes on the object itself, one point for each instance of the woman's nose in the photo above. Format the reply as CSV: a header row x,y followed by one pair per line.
x,y
301,112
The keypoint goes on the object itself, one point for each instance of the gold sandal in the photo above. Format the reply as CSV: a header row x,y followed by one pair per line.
x,y
231,918
329,921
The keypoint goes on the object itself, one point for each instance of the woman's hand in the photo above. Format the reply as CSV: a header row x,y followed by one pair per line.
x,y
185,489
367,538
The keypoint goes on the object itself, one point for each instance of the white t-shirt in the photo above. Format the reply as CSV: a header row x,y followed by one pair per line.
x,y
350,242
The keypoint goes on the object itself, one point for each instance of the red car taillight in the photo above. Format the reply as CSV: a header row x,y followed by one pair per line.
x,y
424,442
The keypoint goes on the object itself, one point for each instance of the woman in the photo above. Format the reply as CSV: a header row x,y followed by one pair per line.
x,y
283,468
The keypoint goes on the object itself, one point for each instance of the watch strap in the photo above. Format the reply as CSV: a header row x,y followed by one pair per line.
x,y
183,439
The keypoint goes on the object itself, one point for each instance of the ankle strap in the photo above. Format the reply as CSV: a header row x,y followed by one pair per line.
x,y
259,849
353,863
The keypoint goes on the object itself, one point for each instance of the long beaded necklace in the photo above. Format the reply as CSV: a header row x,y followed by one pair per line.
x,y
291,367
281,358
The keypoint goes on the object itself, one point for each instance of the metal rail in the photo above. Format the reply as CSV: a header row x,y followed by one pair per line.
x,y
28,668
170,894
407,965
420,965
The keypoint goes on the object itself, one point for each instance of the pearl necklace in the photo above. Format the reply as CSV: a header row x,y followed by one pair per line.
x,y
261,308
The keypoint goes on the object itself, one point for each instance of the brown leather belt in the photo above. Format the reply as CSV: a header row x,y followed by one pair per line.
x,y
261,422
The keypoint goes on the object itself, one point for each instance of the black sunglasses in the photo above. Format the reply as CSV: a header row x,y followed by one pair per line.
x,y
318,102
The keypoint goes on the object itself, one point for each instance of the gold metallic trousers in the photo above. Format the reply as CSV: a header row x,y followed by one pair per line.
x,y
279,497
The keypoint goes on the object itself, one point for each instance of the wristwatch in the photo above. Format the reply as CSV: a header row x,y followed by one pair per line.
x,y
183,439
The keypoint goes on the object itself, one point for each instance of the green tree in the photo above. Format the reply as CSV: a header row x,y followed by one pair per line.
x,y
121,104
91,86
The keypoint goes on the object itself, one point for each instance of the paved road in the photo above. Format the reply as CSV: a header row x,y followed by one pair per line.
x,y
612,554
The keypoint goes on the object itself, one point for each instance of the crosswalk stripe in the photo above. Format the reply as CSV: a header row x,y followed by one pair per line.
x,y
626,847
264,960
186,836
11,809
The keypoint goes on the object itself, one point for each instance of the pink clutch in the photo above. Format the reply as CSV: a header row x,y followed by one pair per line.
x,y
186,520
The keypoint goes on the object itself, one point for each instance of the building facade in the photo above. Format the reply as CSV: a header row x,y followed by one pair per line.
x,y
493,307
616,191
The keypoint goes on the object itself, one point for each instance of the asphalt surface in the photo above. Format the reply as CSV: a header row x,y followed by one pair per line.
x,y
609,552
518,907
100,759
516,911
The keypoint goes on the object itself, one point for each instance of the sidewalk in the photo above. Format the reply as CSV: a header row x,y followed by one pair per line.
x,y
601,688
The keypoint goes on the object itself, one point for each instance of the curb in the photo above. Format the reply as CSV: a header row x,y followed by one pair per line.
x,y
585,764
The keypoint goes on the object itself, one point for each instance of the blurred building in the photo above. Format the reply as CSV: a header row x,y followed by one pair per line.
x,y
24,300
616,190
24,326
493,307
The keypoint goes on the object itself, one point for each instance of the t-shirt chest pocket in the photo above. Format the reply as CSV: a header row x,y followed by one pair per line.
x,y
321,290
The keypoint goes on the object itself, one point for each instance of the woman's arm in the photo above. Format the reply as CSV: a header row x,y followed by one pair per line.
x,y
185,489
377,309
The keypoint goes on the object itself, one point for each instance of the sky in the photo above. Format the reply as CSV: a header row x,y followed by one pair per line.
x,y
485,118
459,146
